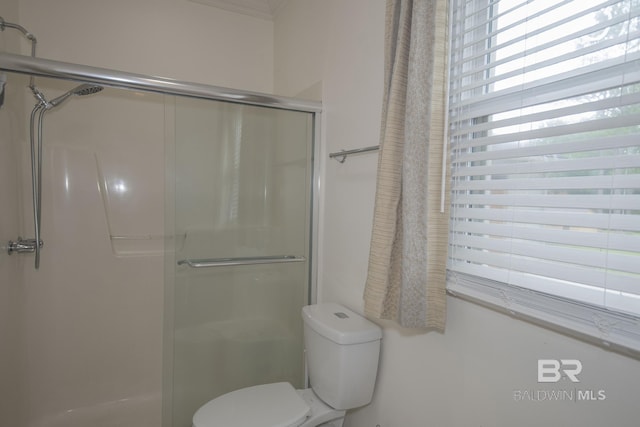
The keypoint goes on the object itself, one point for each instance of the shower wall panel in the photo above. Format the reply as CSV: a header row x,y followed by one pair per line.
x,y
12,350
94,308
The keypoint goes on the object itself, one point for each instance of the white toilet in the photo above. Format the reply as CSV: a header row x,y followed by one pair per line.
x,y
342,350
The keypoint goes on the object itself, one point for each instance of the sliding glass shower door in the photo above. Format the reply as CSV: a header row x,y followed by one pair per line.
x,y
240,208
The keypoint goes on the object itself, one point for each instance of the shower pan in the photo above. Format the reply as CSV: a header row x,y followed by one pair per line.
x,y
207,264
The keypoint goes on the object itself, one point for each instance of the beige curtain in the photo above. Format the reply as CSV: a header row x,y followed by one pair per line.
x,y
407,261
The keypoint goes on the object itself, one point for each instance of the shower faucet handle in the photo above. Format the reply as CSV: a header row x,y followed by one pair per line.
x,y
23,245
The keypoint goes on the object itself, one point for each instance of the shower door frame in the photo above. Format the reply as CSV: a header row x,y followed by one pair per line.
x,y
39,67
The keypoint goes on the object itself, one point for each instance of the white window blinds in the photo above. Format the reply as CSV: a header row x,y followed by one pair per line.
x,y
545,139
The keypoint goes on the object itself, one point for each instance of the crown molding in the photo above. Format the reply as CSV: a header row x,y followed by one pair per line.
x,y
263,9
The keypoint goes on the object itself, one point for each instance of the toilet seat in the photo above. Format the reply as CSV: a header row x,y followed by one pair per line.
x,y
268,405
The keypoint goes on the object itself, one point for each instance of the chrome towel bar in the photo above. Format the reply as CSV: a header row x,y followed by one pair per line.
x,y
341,156
226,262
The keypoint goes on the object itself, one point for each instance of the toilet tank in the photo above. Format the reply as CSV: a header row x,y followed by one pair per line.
x,y
342,350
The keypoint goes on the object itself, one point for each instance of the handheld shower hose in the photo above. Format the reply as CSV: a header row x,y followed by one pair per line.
x,y
35,140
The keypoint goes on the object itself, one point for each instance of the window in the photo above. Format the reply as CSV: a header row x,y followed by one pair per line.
x,y
545,142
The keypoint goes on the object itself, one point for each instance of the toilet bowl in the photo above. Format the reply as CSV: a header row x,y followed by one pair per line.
x,y
268,405
342,350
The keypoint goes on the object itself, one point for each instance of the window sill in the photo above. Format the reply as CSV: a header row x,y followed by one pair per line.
x,y
613,331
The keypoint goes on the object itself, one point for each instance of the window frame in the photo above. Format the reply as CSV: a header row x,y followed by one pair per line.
x,y
611,329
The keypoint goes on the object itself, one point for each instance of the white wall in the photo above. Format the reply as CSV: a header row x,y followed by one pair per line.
x,y
468,375
344,38
169,38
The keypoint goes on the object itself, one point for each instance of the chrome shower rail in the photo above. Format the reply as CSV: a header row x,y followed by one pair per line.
x,y
107,77
226,262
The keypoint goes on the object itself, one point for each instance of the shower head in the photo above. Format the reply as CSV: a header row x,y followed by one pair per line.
x,y
84,89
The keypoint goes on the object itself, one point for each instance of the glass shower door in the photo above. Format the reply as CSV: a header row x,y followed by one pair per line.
x,y
242,220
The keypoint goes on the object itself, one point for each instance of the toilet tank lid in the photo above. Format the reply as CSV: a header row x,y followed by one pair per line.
x,y
339,324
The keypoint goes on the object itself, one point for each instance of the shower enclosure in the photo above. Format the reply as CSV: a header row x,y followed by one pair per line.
x,y
178,228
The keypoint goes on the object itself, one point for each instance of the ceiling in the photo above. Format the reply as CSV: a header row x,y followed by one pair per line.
x,y
265,9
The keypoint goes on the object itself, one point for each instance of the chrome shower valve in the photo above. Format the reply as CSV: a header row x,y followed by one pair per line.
x,y
23,245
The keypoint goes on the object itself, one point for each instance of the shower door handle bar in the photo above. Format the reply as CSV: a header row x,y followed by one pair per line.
x,y
226,262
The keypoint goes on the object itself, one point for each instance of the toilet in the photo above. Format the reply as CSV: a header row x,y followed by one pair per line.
x,y
342,350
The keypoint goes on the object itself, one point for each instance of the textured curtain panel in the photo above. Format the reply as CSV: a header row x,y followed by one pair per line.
x,y
407,262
